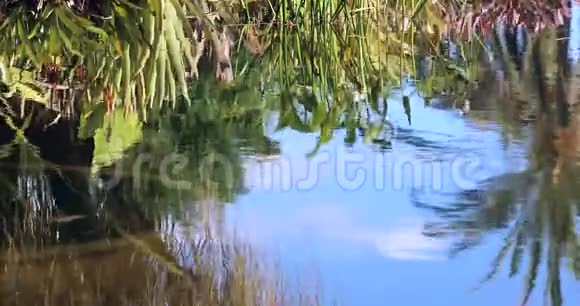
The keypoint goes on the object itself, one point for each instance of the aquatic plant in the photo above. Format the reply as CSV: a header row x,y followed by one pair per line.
x,y
137,54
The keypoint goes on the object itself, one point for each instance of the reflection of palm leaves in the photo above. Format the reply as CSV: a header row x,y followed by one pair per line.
x,y
540,210
539,205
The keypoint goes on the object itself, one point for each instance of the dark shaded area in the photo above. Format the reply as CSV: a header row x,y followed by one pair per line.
x,y
62,166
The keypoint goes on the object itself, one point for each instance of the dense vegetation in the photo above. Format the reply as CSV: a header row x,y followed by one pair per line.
x,y
140,54
151,77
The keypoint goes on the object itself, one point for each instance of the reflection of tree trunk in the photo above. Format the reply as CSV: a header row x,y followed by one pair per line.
x,y
221,47
563,109
567,100
424,67
511,43
222,58
541,75
199,45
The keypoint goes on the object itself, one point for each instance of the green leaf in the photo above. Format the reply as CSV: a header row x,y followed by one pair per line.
x,y
54,44
117,132
92,120
68,22
27,45
97,30
68,43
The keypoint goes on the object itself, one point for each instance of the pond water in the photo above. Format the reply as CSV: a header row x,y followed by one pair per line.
x,y
467,205
364,219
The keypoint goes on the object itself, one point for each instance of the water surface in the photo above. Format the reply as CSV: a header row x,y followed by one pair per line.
x,y
411,201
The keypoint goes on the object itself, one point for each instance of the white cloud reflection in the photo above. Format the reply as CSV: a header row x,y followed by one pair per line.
x,y
318,226
406,242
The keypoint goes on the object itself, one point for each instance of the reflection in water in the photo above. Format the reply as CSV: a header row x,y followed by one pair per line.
x,y
73,234
105,208
536,208
533,99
